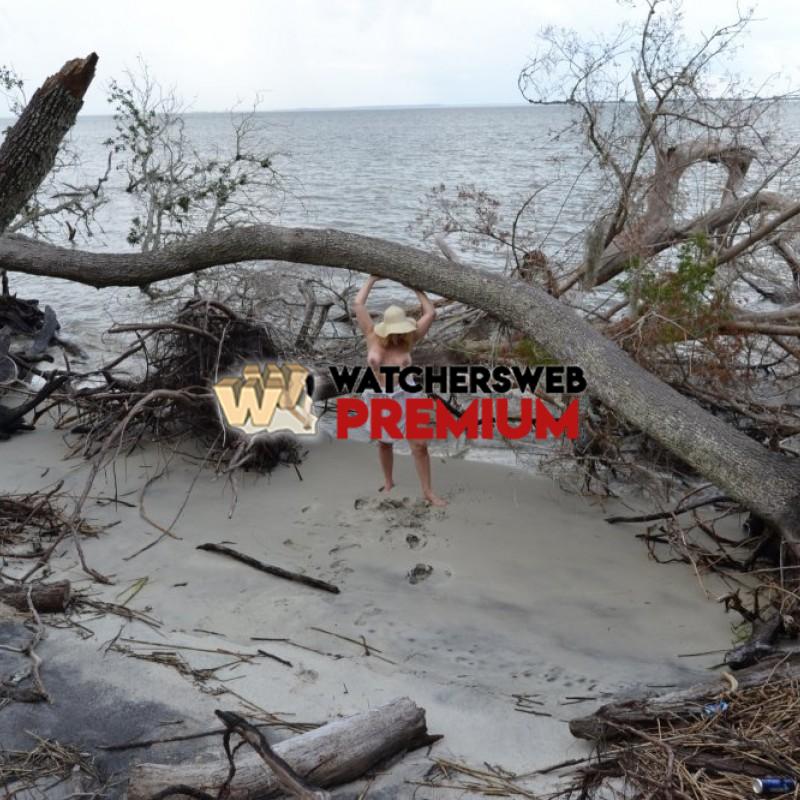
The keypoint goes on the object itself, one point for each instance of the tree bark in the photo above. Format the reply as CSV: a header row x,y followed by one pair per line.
x,y
47,598
768,483
333,754
29,150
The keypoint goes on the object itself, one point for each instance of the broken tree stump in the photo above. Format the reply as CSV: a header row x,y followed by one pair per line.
x,y
330,755
47,598
611,720
29,150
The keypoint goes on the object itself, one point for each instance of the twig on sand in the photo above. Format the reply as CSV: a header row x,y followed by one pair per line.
x,y
275,658
101,607
492,781
284,640
369,650
717,498
278,572
217,650
185,737
29,650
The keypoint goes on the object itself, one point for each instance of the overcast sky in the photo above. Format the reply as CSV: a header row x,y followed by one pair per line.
x,y
329,53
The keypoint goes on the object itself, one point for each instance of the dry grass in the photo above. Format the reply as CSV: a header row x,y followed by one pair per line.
x,y
705,758
35,519
32,773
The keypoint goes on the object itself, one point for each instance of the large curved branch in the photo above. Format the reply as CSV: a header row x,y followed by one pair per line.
x,y
764,481
673,162
659,237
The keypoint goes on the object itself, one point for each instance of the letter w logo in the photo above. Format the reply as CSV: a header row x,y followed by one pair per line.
x,y
267,399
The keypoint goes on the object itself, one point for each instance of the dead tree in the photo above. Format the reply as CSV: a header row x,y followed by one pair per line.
x,y
689,211
764,481
29,150
26,157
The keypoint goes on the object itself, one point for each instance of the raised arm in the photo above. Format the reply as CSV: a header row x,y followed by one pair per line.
x,y
428,314
360,306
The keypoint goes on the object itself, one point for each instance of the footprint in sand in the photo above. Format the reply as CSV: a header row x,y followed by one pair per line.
x,y
420,573
399,513
414,541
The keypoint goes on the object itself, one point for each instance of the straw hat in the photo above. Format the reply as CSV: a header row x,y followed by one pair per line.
x,y
395,321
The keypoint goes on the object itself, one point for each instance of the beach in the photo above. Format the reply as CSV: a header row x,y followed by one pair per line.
x,y
503,615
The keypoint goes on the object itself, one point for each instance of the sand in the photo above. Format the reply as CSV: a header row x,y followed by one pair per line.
x,y
522,591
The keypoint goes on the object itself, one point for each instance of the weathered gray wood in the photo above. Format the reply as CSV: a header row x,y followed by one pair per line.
x,y
766,482
47,598
333,754
294,785
606,722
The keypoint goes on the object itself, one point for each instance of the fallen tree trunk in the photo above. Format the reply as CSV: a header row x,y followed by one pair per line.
x,y
614,720
767,483
29,150
330,755
47,598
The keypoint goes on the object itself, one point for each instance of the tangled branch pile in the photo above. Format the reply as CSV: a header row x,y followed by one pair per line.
x,y
37,772
701,531
31,519
172,401
713,756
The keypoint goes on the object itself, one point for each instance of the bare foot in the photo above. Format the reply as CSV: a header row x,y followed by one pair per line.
x,y
387,487
435,500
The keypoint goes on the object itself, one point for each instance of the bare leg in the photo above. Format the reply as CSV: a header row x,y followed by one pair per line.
x,y
422,461
386,455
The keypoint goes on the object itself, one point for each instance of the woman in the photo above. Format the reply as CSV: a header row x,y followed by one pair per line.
x,y
389,344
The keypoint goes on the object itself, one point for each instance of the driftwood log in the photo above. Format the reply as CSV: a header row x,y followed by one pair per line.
x,y
611,720
330,755
294,785
47,598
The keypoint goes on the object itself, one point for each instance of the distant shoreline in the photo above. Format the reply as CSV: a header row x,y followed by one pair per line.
x,y
348,109
324,110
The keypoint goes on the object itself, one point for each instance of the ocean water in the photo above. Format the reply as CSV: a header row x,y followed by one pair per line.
x,y
366,171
